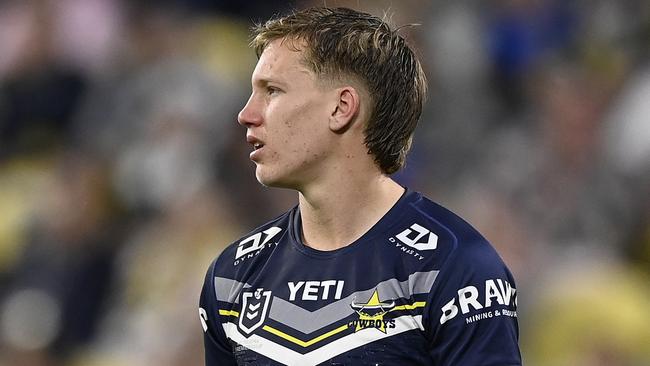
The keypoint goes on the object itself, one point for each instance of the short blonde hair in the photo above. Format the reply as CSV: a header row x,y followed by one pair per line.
x,y
343,43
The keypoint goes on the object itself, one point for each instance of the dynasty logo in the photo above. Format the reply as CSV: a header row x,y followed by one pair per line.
x,y
253,245
371,314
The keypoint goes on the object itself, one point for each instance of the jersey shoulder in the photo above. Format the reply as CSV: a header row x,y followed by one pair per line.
x,y
473,282
460,245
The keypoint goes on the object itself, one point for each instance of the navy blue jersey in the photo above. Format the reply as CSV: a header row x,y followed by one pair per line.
x,y
422,287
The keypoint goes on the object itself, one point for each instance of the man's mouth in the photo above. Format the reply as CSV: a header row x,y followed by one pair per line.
x,y
257,146
257,143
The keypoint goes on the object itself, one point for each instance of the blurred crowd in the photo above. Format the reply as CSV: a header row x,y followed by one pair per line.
x,y
123,172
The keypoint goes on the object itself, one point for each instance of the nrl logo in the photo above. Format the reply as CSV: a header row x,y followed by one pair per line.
x,y
371,314
255,306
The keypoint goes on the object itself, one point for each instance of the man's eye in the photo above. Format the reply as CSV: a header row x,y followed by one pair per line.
x,y
272,90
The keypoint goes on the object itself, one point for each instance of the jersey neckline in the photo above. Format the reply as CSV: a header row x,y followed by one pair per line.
x,y
385,222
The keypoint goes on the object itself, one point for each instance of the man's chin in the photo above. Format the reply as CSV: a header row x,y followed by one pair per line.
x,y
268,179
265,179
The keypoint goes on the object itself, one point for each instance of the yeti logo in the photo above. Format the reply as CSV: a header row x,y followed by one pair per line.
x,y
255,306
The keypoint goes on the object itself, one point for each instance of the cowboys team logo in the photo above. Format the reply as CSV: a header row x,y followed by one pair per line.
x,y
255,306
371,314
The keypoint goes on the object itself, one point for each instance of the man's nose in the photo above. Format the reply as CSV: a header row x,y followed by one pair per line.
x,y
250,115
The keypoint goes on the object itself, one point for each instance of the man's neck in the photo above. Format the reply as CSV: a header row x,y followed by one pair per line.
x,y
337,213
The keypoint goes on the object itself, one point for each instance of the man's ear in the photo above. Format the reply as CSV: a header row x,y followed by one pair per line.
x,y
346,110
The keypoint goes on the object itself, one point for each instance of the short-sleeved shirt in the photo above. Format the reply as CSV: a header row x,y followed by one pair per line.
x,y
421,287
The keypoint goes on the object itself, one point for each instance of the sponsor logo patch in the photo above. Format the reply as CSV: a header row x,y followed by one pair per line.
x,y
418,237
481,301
251,246
414,240
314,290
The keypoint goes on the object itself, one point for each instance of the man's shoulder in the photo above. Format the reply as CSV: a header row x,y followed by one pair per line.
x,y
446,219
241,252
460,242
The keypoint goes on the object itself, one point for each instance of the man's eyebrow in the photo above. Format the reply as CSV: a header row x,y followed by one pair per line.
x,y
264,81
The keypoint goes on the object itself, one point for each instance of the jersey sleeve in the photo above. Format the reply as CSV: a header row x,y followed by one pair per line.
x,y
217,349
471,316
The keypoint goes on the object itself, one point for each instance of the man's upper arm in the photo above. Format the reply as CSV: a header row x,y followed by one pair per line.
x,y
217,349
472,312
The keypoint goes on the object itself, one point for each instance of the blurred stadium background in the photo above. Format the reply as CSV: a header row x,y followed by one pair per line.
x,y
123,171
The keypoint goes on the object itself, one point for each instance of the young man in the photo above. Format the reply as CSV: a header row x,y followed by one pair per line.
x,y
362,271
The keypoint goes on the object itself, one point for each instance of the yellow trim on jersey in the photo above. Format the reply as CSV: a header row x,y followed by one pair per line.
x,y
302,343
305,344
228,313
415,305
419,304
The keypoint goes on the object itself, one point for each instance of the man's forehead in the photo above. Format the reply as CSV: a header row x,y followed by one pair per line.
x,y
294,46
280,57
